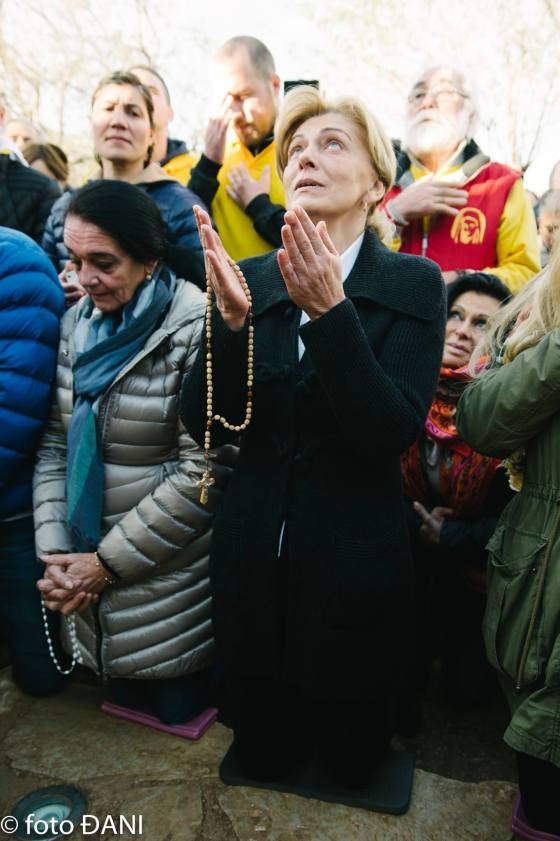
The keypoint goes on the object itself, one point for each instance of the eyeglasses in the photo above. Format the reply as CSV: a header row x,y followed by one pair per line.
x,y
440,93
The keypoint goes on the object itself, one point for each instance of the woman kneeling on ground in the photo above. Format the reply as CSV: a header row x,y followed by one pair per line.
x,y
311,568
117,517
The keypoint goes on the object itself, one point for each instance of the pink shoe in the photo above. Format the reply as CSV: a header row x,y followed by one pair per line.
x,y
193,729
522,829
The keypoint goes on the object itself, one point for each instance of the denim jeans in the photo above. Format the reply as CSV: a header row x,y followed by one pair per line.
x,y
21,622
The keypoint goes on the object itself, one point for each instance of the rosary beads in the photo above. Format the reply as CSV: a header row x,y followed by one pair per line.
x,y
207,479
73,642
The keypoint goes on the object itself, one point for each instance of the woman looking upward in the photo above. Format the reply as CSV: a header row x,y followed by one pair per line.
x,y
454,497
311,569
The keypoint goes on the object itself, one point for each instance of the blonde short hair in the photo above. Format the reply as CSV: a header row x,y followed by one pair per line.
x,y
304,102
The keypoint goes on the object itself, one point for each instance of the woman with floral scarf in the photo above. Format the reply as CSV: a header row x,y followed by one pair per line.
x,y
454,496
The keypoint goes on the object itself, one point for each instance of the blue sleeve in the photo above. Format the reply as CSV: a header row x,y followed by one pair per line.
x,y
181,224
53,237
49,240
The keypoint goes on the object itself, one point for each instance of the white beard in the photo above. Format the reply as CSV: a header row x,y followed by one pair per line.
x,y
432,132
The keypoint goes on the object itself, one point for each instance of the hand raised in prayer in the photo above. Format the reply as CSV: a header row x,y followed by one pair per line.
x,y
310,264
230,297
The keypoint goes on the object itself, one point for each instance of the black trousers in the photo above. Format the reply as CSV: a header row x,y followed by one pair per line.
x,y
172,700
448,625
21,620
279,726
539,784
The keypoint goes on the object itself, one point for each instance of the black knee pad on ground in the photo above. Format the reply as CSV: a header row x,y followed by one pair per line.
x,y
388,789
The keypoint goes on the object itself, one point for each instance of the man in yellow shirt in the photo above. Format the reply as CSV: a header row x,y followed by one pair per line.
x,y
236,175
171,154
450,201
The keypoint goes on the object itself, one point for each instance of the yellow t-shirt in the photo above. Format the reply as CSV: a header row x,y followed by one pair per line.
x,y
235,227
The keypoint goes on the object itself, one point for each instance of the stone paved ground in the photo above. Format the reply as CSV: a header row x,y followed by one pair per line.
x,y
463,789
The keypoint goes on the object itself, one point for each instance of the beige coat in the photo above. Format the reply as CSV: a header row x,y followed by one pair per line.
x,y
155,623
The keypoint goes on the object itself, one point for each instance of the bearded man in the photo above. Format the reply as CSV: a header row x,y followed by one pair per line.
x,y
236,175
450,201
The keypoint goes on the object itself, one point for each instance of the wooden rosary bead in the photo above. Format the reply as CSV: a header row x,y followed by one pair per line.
x,y
207,480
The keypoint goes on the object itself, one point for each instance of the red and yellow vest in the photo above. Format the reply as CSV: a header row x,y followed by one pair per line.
x,y
236,229
466,241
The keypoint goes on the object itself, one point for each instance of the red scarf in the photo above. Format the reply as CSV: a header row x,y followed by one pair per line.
x,y
464,476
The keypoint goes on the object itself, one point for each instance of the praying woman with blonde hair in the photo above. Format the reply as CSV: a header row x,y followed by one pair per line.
x,y
311,571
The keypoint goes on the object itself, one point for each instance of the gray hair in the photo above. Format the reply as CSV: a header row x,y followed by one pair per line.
x,y
549,201
260,56
459,80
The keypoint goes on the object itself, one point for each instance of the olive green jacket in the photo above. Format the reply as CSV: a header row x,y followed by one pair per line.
x,y
508,407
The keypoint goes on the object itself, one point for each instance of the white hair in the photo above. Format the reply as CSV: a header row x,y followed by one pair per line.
x,y
459,80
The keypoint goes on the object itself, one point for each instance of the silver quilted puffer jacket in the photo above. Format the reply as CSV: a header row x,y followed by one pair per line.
x,y
155,623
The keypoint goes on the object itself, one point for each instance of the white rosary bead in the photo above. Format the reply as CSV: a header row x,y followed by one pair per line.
x,y
76,658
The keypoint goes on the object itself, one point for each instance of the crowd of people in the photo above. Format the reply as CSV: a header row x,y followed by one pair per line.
x,y
277,422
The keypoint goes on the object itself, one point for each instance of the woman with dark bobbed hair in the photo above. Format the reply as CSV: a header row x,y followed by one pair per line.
x,y
118,522
122,124
455,496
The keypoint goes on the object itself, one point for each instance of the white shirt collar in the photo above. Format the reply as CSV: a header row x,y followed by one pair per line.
x,y
349,257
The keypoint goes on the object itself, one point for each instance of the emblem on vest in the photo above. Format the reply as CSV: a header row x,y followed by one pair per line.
x,y
469,226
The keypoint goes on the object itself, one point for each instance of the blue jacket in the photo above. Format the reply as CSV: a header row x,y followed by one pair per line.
x,y
31,304
175,204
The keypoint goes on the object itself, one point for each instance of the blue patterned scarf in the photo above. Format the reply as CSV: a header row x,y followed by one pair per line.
x,y
104,344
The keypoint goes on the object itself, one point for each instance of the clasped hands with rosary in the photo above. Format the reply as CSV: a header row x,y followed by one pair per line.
x,y
311,269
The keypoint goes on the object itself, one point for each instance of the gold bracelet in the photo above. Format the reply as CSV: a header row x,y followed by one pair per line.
x,y
107,578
